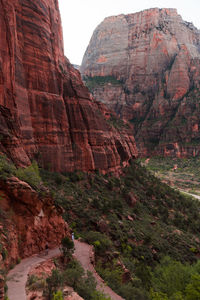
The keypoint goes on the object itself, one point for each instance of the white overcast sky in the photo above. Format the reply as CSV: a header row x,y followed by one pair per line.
x,y
80,18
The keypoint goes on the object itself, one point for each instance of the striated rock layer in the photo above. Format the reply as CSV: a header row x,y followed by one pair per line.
x,y
45,111
146,66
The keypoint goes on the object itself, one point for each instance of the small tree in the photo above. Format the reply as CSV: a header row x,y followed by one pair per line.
x,y
158,295
67,247
54,282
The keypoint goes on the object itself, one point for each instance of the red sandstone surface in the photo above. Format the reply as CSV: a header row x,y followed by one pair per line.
x,y
46,113
28,221
155,57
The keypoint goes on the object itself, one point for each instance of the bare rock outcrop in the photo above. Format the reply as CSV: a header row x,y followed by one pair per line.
x,y
29,220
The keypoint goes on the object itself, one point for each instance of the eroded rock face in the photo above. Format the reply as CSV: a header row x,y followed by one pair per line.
x,y
28,221
46,113
146,67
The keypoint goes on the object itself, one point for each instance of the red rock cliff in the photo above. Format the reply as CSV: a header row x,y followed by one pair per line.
x,y
146,66
45,111
28,221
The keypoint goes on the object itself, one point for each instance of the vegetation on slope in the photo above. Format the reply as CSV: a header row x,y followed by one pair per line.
x,y
144,233
95,81
134,222
65,274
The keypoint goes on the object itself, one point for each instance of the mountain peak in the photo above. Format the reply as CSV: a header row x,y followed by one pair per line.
x,y
154,55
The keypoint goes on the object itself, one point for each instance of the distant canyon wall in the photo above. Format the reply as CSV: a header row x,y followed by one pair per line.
x,y
146,67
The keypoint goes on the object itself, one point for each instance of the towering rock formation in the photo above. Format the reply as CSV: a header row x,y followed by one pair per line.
x,y
45,111
146,66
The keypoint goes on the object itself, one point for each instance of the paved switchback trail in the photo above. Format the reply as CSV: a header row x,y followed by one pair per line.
x,y
83,253
193,195
17,277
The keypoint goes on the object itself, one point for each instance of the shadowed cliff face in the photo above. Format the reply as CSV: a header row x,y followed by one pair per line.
x,y
45,111
150,62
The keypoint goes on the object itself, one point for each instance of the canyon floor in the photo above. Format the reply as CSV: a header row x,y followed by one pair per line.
x,y
182,174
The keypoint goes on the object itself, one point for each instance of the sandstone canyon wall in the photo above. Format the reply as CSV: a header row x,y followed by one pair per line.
x,y
46,113
146,66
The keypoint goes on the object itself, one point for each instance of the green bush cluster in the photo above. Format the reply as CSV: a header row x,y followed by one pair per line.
x,y
100,241
7,169
95,81
67,247
31,175
112,273
174,280
58,295
73,275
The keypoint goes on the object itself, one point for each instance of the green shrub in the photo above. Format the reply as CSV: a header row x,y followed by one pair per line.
x,y
67,247
4,253
177,296
58,295
31,280
73,274
142,271
193,288
54,282
18,260
100,241
87,286
35,283
76,176
171,277
92,82
5,288
83,284
30,175
7,169
111,273
158,295
129,292
96,295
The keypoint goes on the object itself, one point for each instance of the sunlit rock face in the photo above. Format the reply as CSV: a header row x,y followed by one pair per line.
x,y
146,66
46,113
